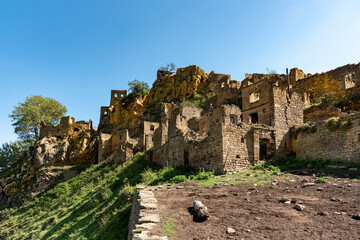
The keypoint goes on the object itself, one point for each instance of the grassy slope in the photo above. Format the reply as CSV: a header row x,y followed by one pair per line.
x,y
96,204
93,205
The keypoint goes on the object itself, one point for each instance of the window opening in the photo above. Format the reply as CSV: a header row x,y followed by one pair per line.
x,y
254,118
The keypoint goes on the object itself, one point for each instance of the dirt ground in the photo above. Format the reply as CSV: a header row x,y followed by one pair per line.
x,y
257,213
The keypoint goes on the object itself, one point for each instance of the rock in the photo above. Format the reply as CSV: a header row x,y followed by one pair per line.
x,y
308,185
340,213
337,166
353,169
145,226
192,194
179,187
299,207
323,213
11,189
356,216
201,210
230,230
283,200
287,202
335,200
257,218
320,189
150,218
304,180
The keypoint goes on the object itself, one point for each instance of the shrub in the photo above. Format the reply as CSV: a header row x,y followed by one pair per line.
x,y
203,175
148,176
321,180
306,128
178,179
334,124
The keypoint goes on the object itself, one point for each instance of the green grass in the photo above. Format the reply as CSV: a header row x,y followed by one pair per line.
x,y
169,228
95,204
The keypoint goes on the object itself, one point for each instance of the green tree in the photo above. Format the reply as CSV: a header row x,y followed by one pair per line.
x,y
28,115
138,87
10,154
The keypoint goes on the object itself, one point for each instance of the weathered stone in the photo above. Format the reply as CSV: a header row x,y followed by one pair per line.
x,y
299,207
308,185
150,218
230,230
323,213
11,189
356,216
201,210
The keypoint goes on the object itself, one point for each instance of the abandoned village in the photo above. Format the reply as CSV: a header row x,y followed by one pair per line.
x,y
236,123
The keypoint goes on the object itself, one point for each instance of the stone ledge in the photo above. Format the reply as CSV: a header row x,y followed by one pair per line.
x,y
143,217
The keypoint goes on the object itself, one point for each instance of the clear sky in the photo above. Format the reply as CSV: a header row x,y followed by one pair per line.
x,y
77,51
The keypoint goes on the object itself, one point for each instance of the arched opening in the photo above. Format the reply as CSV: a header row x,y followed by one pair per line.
x,y
76,130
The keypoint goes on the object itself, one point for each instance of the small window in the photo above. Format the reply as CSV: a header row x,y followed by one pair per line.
x,y
237,156
254,96
233,119
152,128
254,118
115,95
76,129
242,140
264,110
120,137
359,137
121,95
105,113
350,80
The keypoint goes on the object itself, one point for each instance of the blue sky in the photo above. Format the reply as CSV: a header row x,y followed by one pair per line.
x,y
77,51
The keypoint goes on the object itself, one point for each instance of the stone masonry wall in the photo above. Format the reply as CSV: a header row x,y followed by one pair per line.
x,y
324,144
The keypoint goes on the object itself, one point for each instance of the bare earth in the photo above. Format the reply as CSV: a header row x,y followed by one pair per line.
x,y
256,213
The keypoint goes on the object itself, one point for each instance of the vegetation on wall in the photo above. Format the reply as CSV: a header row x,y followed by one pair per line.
x,y
197,100
306,128
334,124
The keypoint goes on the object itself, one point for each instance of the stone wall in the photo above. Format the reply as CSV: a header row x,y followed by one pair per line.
x,y
325,144
67,128
331,83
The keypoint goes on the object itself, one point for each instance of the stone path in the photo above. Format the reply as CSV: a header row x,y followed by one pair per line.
x,y
143,215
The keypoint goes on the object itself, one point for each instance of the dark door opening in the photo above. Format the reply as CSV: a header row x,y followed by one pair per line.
x,y
151,156
254,118
263,149
186,157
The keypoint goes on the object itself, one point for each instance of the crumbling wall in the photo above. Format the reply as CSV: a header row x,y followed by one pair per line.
x,y
343,143
331,83
67,128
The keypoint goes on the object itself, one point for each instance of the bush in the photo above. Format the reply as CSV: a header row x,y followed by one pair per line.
x,y
148,176
334,124
203,175
306,128
321,180
178,179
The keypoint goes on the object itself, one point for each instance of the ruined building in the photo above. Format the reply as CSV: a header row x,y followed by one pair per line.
x,y
210,121
207,120
237,123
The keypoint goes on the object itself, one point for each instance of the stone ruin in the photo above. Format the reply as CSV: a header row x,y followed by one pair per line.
x,y
209,121
240,124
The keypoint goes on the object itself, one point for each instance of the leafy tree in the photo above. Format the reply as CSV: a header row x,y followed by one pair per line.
x,y
10,153
28,115
138,87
